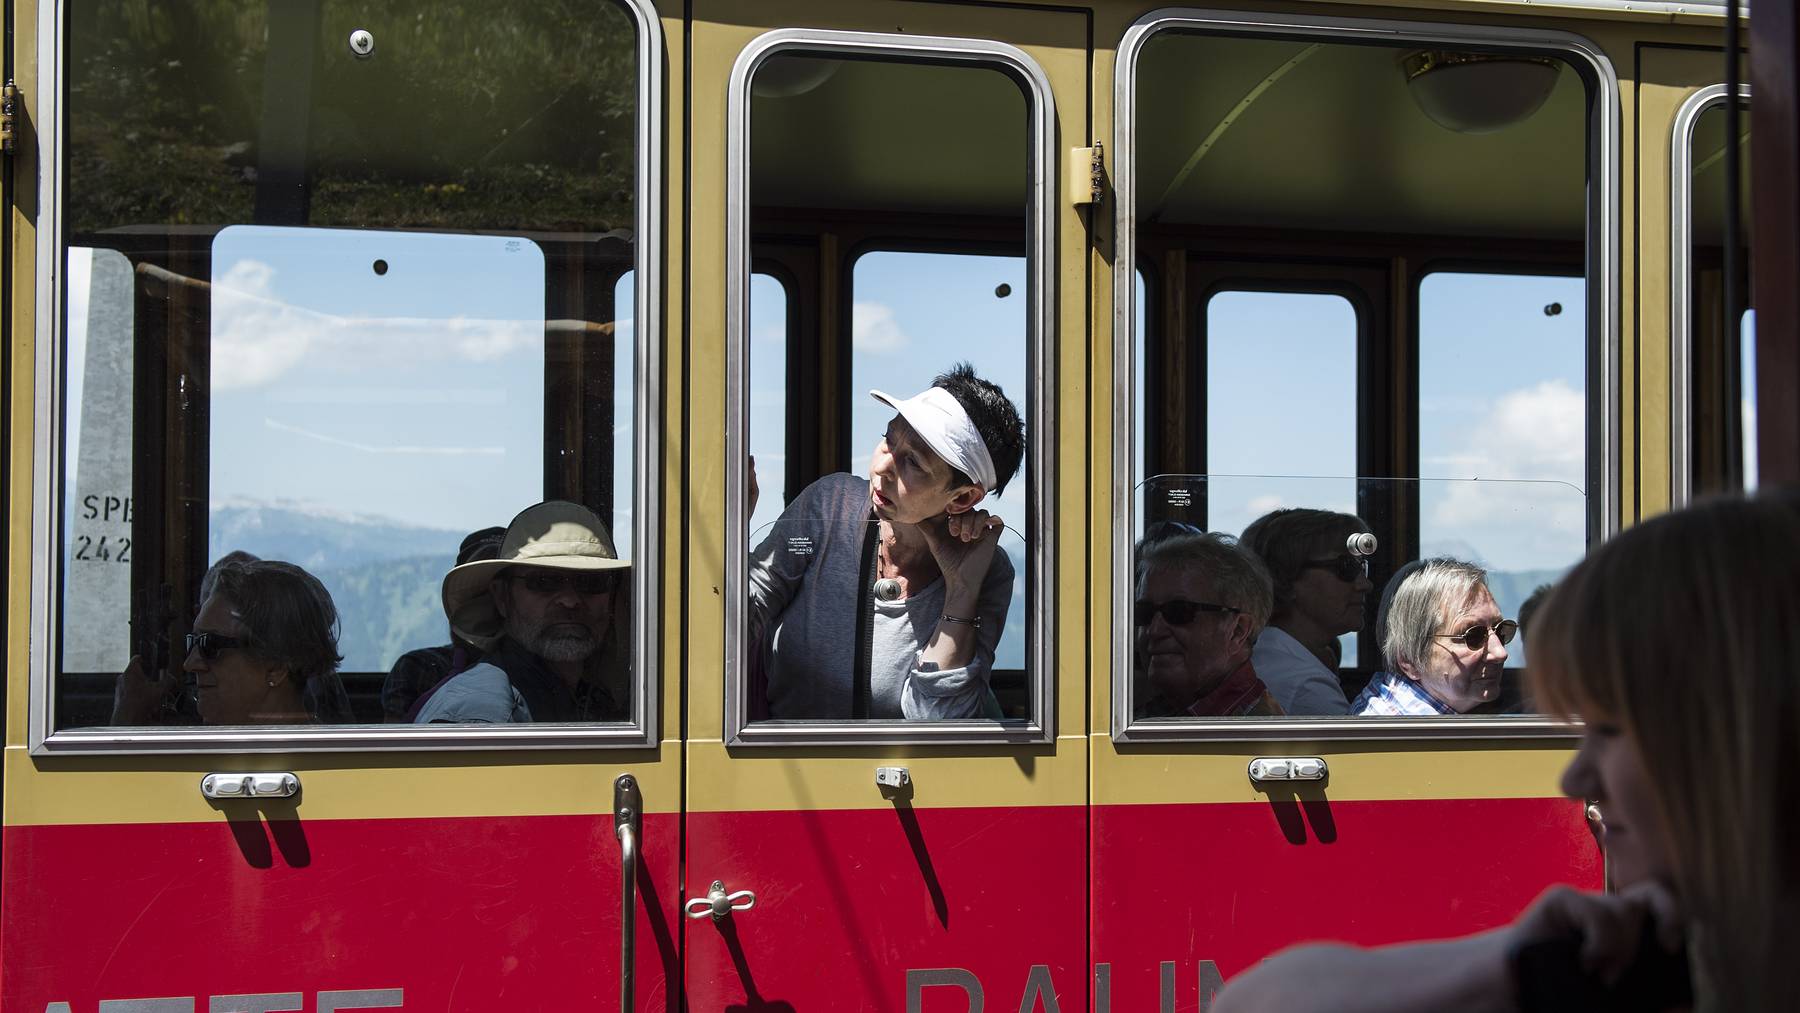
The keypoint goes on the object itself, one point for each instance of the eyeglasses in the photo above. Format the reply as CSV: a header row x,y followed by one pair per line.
x,y
543,582
1177,611
1476,637
211,645
1344,568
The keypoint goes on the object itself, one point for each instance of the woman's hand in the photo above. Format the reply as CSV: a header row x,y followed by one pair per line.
x,y
1610,926
963,547
138,699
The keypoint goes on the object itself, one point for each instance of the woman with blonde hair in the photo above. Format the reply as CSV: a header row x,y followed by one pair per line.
x,y
1676,644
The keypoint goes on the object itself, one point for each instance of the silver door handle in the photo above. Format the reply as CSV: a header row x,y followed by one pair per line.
x,y
628,811
720,904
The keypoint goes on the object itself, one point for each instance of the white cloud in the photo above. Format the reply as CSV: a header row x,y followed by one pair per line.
x,y
873,329
257,337
1520,502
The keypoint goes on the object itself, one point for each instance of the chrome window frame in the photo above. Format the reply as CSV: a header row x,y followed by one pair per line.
x,y
1040,247
641,731
1602,240
1681,286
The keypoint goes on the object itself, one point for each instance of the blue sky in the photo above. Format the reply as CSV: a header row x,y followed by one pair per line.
x,y
415,395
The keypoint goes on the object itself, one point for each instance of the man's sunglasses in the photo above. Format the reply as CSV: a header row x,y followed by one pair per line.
x,y
1344,568
1476,637
1176,611
211,645
541,582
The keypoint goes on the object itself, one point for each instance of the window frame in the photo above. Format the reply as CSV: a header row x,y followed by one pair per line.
x,y
1040,419
1681,285
1601,243
643,726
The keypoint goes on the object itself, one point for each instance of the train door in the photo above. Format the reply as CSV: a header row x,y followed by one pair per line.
x,y
861,832
1359,322
322,297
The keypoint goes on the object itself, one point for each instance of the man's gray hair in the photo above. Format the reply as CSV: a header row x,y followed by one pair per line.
x,y
1421,604
1238,578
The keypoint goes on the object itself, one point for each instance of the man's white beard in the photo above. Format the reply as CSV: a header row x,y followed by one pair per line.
x,y
566,643
564,647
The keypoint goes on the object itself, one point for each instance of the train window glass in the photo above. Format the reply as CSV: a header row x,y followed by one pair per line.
x,y
768,395
399,379
1302,344
1141,309
867,614
1747,369
1720,375
317,337
1248,153
1520,417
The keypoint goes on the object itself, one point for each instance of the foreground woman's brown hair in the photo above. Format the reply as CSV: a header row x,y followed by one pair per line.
x,y
1678,644
1685,633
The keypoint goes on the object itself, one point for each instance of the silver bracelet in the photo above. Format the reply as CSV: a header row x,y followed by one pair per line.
x,y
948,618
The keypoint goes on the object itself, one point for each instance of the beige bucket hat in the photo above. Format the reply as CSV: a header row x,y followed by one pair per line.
x,y
555,534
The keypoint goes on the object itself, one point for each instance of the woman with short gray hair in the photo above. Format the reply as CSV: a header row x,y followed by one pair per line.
x,y
1444,641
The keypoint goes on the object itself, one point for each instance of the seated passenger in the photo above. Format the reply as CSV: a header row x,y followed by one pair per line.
x,y
544,612
1320,587
1444,640
904,551
417,671
263,650
1201,601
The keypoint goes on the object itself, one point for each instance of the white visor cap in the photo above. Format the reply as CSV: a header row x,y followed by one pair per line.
x,y
938,417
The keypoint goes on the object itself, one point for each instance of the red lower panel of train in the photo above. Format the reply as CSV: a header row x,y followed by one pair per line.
x,y
476,915
938,911
1185,896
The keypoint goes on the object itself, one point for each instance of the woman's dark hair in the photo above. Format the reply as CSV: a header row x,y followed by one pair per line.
x,y
1287,540
995,418
287,614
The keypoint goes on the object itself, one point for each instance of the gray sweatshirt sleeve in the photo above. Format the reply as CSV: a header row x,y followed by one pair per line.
x,y
779,562
938,694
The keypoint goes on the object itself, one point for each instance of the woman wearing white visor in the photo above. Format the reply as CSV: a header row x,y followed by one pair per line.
x,y
884,597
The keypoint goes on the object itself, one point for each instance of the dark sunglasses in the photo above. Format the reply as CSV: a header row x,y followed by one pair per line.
x,y
1344,568
211,645
1176,611
540,582
1476,637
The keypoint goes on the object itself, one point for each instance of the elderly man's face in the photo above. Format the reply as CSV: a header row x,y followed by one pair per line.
x,y
1450,671
556,614
1186,661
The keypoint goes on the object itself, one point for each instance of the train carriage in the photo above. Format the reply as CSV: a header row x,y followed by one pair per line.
x,y
343,284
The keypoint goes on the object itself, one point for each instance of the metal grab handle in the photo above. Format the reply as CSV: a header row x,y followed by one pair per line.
x,y
720,904
628,809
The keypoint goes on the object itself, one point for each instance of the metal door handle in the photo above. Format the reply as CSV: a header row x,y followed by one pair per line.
x,y
720,904
628,810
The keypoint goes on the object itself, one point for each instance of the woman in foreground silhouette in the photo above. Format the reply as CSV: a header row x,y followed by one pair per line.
x,y
1678,645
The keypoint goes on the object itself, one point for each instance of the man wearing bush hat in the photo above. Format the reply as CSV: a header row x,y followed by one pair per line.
x,y
545,611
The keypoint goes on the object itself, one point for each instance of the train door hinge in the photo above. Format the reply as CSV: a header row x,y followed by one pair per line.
x,y
9,106
1087,174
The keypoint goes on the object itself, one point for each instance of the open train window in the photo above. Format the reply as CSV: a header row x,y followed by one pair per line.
x,y
1713,372
1378,298
856,612
342,293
